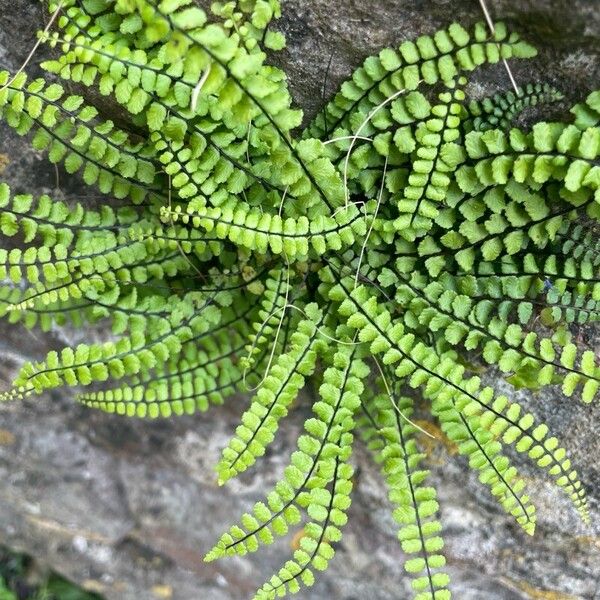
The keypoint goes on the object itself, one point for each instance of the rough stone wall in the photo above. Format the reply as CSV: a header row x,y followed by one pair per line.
x,y
128,508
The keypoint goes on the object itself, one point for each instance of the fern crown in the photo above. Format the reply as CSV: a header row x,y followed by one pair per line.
x,y
386,250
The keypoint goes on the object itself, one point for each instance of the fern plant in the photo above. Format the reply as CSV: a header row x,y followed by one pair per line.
x,y
384,250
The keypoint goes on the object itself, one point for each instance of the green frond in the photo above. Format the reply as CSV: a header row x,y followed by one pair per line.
x,y
281,385
274,301
389,434
262,231
486,323
485,455
435,156
205,373
552,151
328,513
499,110
152,341
50,222
318,481
428,59
506,420
64,127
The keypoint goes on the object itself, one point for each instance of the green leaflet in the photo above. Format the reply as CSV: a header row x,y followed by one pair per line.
x,y
408,235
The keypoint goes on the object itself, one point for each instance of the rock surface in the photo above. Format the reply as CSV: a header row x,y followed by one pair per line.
x,y
128,508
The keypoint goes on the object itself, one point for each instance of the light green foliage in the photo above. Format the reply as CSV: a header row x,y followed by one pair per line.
x,y
317,480
403,240
390,436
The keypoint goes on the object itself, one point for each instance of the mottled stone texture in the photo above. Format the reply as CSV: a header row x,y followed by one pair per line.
x,y
129,508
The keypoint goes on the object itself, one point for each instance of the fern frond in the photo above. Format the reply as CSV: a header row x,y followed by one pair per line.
x,y
62,128
280,387
436,155
484,453
157,341
499,110
262,231
504,418
319,463
328,510
553,151
390,436
50,222
440,57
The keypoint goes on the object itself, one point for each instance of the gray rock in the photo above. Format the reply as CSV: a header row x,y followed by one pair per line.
x,y
128,508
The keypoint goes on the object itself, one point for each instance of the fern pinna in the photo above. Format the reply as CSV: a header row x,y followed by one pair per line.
x,y
401,232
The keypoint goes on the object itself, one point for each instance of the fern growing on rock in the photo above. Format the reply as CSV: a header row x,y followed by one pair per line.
x,y
405,229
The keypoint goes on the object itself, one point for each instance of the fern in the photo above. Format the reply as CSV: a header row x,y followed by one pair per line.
x,y
390,436
405,227
501,109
